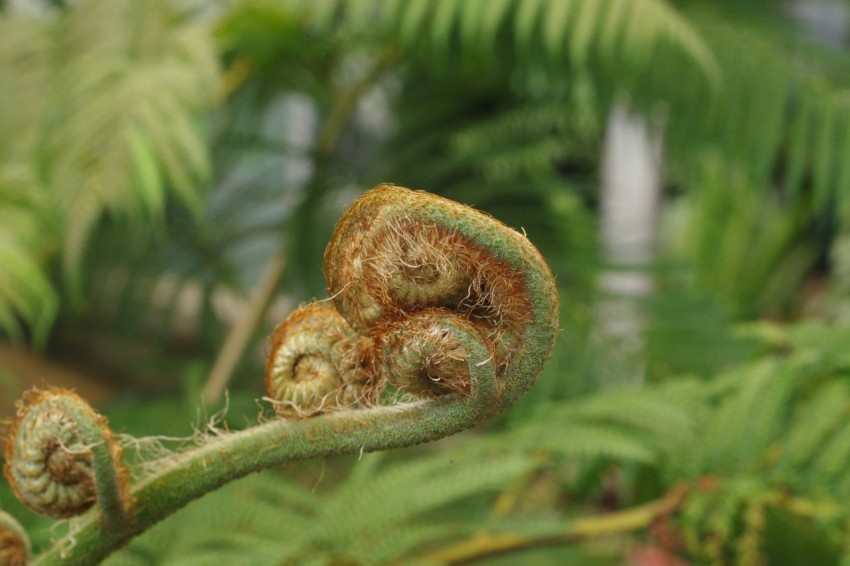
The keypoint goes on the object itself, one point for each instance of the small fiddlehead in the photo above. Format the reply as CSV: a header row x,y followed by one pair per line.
x,y
440,317
420,355
61,458
14,543
314,363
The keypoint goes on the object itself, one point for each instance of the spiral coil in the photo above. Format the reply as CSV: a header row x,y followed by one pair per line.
x,y
314,362
61,457
14,544
399,264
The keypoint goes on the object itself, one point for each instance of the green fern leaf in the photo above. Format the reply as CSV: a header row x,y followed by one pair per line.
x,y
491,22
263,517
747,422
471,20
842,179
379,548
824,149
113,118
830,463
666,423
414,18
799,143
586,441
26,293
819,417
149,185
528,14
610,33
554,26
585,30
321,13
443,22
408,490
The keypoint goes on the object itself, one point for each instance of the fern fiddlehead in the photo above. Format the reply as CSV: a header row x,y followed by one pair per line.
x,y
14,544
441,318
314,362
401,263
61,458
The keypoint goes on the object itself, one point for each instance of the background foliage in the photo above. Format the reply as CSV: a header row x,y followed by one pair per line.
x,y
170,173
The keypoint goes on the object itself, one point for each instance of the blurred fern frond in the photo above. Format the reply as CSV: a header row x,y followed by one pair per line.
x,y
750,250
565,32
124,110
273,518
26,293
105,119
783,101
773,447
763,159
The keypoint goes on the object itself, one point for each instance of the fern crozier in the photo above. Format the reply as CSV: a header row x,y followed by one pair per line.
x,y
440,318
61,458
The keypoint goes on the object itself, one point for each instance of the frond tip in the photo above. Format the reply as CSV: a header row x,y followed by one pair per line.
x,y
61,458
409,272
14,543
314,363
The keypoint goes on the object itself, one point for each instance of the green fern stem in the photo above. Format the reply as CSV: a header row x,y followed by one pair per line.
x,y
202,470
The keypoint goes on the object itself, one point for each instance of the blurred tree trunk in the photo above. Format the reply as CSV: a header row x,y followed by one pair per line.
x,y
629,202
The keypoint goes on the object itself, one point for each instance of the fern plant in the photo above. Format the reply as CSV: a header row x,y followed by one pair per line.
x,y
502,104
442,318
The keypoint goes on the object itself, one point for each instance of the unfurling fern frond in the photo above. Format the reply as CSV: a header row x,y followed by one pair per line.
x,y
14,543
441,317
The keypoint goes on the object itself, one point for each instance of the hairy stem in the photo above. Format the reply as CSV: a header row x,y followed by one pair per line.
x,y
108,483
194,473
